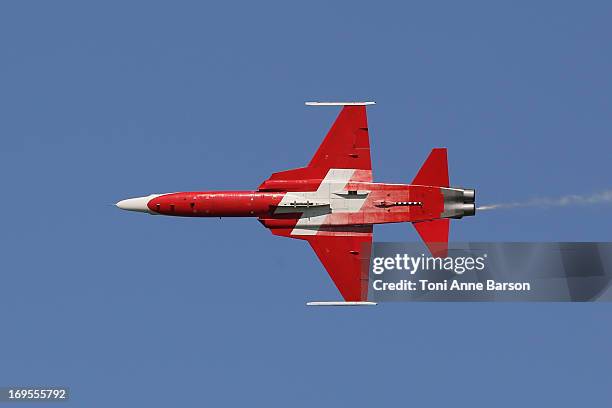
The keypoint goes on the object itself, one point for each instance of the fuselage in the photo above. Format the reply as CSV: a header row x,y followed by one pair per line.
x,y
328,204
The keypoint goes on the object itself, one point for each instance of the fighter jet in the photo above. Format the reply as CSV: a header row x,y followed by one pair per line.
x,y
333,202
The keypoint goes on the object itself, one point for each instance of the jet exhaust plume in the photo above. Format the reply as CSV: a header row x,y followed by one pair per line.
x,y
601,197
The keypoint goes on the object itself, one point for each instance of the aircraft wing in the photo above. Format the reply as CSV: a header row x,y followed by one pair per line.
x,y
346,146
342,157
346,259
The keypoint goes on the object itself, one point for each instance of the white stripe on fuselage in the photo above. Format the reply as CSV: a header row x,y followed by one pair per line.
x,y
335,181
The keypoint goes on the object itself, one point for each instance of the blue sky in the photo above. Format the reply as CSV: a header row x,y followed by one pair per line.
x,y
101,102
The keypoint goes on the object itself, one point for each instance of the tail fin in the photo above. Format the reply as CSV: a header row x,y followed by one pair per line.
x,y
434,171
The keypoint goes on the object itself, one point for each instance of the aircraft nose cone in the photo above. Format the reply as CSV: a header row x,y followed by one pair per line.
x,y
135,204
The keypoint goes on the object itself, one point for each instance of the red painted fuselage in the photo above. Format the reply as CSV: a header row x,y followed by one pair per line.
x,y
385,203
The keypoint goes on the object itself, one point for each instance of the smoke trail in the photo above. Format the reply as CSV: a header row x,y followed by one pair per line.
x,y
601,197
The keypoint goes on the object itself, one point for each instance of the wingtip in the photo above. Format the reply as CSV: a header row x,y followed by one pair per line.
x,y
319,103
341,303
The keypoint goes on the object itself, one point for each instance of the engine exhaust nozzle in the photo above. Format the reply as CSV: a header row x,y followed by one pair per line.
x,y
459,202
469,195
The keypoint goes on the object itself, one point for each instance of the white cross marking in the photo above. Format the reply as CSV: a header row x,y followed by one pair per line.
x,y
311,220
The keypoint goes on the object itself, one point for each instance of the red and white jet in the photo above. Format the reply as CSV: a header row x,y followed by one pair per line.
x,y
333,202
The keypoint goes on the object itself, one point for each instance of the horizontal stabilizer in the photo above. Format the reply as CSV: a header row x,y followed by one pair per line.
x,y
435,235
434,171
